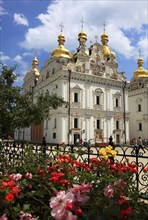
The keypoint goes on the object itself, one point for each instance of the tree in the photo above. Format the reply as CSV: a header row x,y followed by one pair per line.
x,y
18,111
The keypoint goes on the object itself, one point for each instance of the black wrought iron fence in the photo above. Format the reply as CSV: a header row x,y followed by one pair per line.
x,y
139,155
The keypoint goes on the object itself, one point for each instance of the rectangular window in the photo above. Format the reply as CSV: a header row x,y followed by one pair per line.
x,y
117,103
54,135
75,97
140,126
75,122
98,124
117,124
98,100
46,124
55,123
139,108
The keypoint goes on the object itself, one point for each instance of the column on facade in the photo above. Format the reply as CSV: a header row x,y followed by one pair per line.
x,y
65,90
87,129
91,128
127,131
64,130
105,137
107,99
87,97
109,132
83,128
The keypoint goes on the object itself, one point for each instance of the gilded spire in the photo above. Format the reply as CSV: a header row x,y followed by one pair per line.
x,y
61,51
35,63
82,37
104,40
140,72
104,36
61,25
82,21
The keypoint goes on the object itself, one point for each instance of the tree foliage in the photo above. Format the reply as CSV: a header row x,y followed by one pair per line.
x,y
17,110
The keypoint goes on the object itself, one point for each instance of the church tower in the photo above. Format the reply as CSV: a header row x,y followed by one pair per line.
x,y
138,102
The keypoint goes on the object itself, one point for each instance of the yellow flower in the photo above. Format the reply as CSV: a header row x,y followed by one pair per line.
x,y
107,152
102,151
105,157
113,152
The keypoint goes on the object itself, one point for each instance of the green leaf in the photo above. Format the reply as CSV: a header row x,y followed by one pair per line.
x,y
26,207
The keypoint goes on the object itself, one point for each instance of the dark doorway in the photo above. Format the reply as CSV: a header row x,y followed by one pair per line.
x,y
117,139
76,137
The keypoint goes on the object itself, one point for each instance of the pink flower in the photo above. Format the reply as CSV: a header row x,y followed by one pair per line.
x,y
3,217
108,191
28,175
26,216
79,192
121,183
16,177
84,188
59,205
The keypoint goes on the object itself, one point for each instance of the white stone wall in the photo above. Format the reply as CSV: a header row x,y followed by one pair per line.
x,y
136,117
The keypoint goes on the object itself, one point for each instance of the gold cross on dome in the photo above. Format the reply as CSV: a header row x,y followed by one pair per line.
x,y
35,52
96,37
61,25
139,52
104,24
82,21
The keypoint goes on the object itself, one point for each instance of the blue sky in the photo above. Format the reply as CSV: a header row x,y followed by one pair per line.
x,y
30,25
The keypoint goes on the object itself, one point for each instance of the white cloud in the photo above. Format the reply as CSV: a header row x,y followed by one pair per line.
x,y
143,45
2,10
20,19
121,17
22,67
27,54
3,57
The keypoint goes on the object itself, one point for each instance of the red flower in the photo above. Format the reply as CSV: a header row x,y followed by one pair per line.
x,y
42,173
11,184
5,183
127,211
54,179
69,206
15,190
79,211
2,187
9,197
63,182
145,169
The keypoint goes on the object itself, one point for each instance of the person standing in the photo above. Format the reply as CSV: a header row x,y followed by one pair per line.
x,y
44,145
140,142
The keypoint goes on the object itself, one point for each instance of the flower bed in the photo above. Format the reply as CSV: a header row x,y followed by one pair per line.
x,y
67,189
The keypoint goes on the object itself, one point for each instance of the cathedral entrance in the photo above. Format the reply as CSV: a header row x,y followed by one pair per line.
x,y
76,137
117,139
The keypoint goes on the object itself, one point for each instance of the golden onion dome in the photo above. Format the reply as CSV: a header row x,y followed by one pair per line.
x,y
104,38
82,36
61,51
36,72
106,51
35,62
113,53
140,72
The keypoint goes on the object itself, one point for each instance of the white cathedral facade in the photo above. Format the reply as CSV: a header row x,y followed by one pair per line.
x,y
90,82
